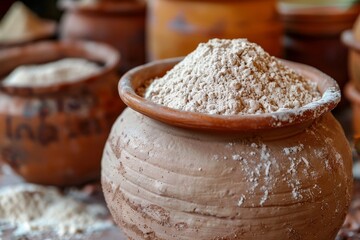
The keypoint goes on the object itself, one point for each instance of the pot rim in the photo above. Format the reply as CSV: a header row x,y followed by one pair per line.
x,y
126,7
348,39
47,51
248,122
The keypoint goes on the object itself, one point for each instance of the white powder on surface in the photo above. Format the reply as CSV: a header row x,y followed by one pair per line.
x,y
33,209
230,77
62,71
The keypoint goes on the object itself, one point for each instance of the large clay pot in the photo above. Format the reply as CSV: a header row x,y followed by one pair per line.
x,y
170,174
312,36
55,135
118,23
176,27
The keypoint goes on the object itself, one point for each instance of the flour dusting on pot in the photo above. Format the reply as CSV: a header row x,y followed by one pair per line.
x,y
230,77
61,71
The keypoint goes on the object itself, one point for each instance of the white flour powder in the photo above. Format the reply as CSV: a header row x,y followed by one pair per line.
x,y
62,71
231,77
34,209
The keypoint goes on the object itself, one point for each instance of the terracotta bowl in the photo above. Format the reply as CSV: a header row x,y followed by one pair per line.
x,y
170,174
349,40
55,135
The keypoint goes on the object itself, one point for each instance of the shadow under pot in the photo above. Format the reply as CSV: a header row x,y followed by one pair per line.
x,y
170,174
55,134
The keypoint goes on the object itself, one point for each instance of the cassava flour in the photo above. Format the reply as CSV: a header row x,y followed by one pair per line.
x,y
62,71
20,24
231,77
32,209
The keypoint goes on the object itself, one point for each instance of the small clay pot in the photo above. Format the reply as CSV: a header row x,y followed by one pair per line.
x,y
55,135
176,27
170,174
352,93
117,23
349,40
312,36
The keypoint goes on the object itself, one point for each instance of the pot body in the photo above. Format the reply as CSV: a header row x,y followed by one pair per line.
x,y
176,27
123,29
164,182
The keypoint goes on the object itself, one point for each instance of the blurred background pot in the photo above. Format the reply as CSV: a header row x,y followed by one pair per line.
x,y
55,135
118,23
312,36
352,93
352,40
176,27
170,174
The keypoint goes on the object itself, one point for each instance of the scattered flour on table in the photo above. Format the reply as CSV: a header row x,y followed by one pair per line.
x,y
229,77
62,71
32,209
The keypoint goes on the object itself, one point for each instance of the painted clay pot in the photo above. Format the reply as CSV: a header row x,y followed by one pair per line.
x,y
312,36
55,135
176,27
170,174
117,23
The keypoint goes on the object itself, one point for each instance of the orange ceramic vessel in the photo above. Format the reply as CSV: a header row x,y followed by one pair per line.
x,y
118,23
170,174
176,27
55,135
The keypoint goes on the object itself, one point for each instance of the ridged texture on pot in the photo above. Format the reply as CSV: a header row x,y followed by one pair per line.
x,y
163,182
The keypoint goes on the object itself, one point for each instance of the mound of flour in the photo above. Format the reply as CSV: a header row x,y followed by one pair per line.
x,y
62,71
230,77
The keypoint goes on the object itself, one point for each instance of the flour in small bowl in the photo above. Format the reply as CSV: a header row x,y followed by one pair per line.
x,y
229,77
66,70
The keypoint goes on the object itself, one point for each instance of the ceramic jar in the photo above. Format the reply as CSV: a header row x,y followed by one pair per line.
x,y
176,27
55,135
352,40
312,36
170,174
118,23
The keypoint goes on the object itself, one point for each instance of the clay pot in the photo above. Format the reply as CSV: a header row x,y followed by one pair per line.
x,y
349,40
313,37
176,27
354,96
170,174
118,23
55,135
